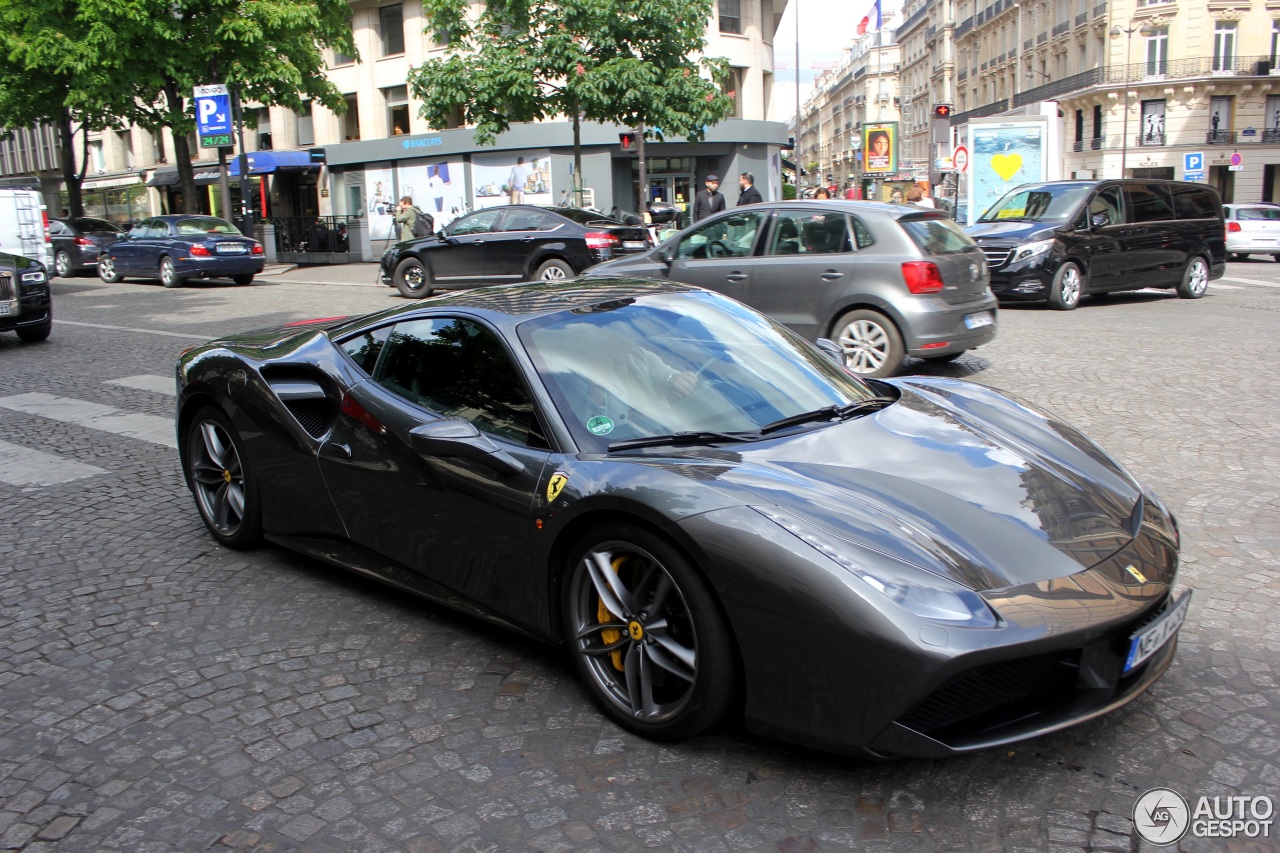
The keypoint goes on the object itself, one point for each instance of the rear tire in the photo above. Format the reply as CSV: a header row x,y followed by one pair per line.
x,y
62,265
225,489
1067,287
554,270
107,270
412,279
243,279
1195,279
871,343
168,276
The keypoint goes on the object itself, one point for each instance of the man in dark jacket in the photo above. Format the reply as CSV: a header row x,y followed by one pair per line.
x,y
708,201
750,195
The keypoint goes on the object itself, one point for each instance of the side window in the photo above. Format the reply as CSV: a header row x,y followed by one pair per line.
x,y
459,369
862,233
365,348
56,228
525,220
1108,203
140,230
158,228
1196,203
810,233
732,236
476,223
1148,203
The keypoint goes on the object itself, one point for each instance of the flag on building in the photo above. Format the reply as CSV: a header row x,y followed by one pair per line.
x,y
871,21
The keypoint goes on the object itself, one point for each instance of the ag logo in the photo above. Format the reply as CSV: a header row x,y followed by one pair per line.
x,y
1161,816
556,485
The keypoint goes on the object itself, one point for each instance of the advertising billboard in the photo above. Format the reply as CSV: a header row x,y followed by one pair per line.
x,y
880,148
1002,156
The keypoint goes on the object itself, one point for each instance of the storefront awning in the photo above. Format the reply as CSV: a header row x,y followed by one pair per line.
x,y
266,162
205,174
108,183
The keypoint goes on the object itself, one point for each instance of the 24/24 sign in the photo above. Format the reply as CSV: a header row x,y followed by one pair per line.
x,y
213,114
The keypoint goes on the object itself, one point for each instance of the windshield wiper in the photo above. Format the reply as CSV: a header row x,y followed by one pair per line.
x,y
828,413
690,437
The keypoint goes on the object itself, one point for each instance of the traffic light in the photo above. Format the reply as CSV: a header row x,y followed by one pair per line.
x,y
942,111
628,140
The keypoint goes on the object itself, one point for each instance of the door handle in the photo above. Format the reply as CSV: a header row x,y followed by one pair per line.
x,y
832,275
526,239
338,451
736,276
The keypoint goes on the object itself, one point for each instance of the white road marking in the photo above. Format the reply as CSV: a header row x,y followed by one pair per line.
x,y
1217,286
24,467
148,382
197,336
152,428
1250,281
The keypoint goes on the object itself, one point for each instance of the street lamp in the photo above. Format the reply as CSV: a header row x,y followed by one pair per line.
x,y
1145,31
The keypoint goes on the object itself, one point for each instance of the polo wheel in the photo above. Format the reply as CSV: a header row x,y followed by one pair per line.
x,y
168,276
107,269
1067,287
1195,280
646,634
225,490
554,270
62,265
412,279
870,342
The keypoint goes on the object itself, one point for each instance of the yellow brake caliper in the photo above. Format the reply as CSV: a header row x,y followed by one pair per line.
x,y
603,614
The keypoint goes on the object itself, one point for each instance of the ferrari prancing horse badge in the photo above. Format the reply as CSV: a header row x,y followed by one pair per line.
x,y
556,485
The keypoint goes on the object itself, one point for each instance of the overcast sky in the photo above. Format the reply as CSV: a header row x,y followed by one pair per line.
x,y
827,29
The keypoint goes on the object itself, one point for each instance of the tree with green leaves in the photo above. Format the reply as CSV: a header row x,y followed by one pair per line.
x,y
136,62
637,64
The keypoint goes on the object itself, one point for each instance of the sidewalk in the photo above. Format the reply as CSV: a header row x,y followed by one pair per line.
x,y
351,275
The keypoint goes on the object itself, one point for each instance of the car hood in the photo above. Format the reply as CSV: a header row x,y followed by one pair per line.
x,y
1012,231
956,479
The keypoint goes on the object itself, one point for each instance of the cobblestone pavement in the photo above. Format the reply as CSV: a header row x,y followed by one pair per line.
x,y
160,693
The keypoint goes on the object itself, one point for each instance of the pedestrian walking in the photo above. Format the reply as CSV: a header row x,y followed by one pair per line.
x,y
918,196
749,195
708,201
516,181
407,214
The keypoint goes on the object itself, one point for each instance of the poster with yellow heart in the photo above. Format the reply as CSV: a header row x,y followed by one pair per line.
x,y
1004,155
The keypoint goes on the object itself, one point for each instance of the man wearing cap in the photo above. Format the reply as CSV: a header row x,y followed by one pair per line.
x,y
708,201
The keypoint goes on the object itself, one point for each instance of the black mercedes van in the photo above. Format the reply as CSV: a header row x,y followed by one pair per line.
x,y
1061,240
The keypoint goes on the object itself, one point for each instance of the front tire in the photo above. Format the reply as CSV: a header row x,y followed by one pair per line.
x,y
554,270
646,634
412,279
107,269
1067,287
168,276
35,334
243,279
62,265
871,343
1195,279
225,490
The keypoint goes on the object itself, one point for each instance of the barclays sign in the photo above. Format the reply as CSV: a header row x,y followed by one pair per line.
x,y
429,142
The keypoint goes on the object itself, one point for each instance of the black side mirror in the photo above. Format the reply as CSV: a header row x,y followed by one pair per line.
x,y
461,440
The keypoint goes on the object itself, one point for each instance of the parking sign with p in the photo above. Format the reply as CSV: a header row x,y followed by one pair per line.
x,y
213,115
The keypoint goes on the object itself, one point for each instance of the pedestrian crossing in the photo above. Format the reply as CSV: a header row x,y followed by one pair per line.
x,y
28,468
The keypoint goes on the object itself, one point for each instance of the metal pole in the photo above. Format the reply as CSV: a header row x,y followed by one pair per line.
x,y
1124,143
224,187
796,153
246,186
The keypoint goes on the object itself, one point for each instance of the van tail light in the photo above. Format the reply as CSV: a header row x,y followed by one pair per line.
x,y
201,251
602,240
45,214
257,249
1233,227
922,276
82,241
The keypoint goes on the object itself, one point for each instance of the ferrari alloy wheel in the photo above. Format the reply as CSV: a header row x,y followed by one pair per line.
x,y
167,276
1195,281
1067,287
223,488
554,270
871,343
412,279
107,269
62,265
647,635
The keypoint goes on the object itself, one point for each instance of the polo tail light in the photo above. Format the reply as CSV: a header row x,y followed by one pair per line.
x,y
201,251
922,276
602,240
82,241
1233,227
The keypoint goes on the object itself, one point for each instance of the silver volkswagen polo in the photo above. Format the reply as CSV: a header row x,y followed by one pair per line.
x,y
884,281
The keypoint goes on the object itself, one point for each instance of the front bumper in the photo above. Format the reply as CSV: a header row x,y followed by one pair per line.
x,y
1021,281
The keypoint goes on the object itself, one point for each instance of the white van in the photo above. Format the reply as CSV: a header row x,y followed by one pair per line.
x,y
24,223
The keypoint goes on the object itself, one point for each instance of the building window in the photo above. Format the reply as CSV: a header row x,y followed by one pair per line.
x,y
306,130
126,145
97,160
391,28
732,86
1220,120
1224,46
157,146
351,119
731,16
264,129
397,98
1275,43
1152,128
340,58
1158,52
1097,128
1271,133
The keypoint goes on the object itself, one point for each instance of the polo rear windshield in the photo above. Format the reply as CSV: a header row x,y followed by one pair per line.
x,y
938,236
1044,203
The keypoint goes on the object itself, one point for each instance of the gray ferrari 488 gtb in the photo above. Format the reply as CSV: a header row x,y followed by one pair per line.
x,y
709,512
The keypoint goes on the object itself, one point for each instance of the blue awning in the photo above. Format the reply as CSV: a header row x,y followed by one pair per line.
x,y
266,162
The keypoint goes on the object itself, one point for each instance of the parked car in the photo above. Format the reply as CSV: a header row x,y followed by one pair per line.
x,y
77,243
507,244
26,305
712,515
178,247
1062,240
884,281
1252,229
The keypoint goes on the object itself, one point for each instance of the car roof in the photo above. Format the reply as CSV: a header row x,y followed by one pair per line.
x,y
880,208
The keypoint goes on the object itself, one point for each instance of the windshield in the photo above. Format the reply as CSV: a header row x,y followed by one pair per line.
x,y
672,363
1040,203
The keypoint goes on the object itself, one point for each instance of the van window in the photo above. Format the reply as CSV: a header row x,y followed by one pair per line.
x,y
1148,202
1191,202
1108,203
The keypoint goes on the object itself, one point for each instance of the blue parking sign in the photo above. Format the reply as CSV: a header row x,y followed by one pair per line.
x,y
1193,166
213,110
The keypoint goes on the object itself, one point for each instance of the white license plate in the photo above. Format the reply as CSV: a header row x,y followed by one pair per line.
x,y
230,248
5,307
1145,643
632,244
977,321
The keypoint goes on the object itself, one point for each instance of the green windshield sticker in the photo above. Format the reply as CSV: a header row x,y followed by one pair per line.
x,y
600,425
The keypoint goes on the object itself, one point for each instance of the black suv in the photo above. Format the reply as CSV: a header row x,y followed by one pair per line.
x,y
1061,240
25,304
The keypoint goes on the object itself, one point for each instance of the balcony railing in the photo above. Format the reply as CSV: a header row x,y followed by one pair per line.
x,y
1082,18
1100,10
1059,29
1271,134
1220,137
1204,66
1151,137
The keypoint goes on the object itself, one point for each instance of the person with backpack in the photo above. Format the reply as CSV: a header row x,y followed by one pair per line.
x,y
414,222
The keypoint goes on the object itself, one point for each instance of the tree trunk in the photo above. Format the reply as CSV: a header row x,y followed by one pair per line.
x,y
643,209
577,156
176,106
70,177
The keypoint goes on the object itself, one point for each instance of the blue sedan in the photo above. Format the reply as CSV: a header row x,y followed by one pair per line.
x,y
174,248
